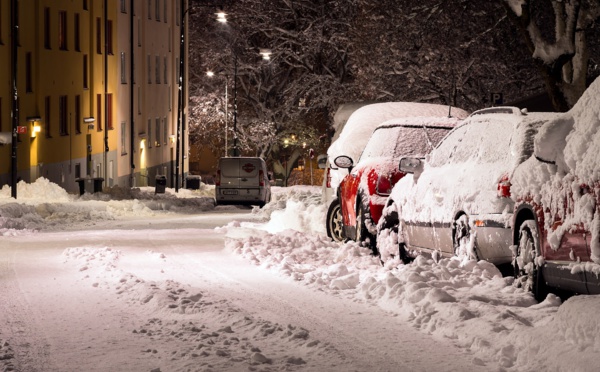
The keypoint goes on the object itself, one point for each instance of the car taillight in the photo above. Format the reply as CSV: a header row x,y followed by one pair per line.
x,y
261,177
504,187
218,178
328,178
384,186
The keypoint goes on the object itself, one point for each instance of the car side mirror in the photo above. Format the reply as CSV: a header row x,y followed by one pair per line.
x,y
344,161
322,161
410,165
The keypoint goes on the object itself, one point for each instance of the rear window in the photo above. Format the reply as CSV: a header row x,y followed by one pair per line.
x,y
482,142
395,142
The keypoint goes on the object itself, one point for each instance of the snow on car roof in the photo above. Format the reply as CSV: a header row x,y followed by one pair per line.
x,y
420,121
363,121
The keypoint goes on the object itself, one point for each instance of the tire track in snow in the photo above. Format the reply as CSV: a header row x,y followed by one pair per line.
x,y
18,324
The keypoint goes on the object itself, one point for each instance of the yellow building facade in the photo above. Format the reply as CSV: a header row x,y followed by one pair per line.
x,y
97,85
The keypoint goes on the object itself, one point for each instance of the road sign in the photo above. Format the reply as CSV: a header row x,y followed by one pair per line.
x,y
21,129
311,153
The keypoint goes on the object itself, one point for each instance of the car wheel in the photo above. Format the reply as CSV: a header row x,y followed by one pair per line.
x,y
334,221
527,271
387,234
464,245
362,232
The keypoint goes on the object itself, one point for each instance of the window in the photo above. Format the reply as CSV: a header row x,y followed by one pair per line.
x,y
169,38
99,112
0,114
170,99
139,100
165,130
47,43
139,32
109,37
109,111
165,10
165,69
149,69
78,114
157,10
98,35
123,68
178,11
123,7
47,126
62,115
62,30
149,9
157,141
28,73
157,68
76,32
85,71
85,4
149,133
123,138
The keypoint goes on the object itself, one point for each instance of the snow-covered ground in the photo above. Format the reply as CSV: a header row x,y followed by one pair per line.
x,y
132,281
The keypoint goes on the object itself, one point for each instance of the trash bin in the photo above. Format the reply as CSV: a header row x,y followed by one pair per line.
x,y
81,183
161,184
192,182
98,184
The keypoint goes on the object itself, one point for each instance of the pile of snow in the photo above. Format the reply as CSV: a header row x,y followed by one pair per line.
x,y
295,207
43,205
469,303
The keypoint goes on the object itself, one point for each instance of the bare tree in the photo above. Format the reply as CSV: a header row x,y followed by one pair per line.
x,y
556,33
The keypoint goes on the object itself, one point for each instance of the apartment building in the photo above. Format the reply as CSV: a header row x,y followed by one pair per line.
x,y
97,88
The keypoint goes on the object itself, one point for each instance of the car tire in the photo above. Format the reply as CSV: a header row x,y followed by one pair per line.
x,y
334,222
527,272
386,229
362,232
461,238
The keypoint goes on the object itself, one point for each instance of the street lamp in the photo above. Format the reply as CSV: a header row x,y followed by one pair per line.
x,y
221,17
211,74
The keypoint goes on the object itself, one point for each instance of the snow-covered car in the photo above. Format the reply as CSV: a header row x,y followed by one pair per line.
x,y
354,123
364,190
556,233
458,201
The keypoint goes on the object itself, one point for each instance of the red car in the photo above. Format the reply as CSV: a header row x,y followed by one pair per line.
x,y
364,191
556,226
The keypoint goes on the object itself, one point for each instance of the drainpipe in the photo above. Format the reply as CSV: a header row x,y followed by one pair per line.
x,y
105,91
14,25
131,93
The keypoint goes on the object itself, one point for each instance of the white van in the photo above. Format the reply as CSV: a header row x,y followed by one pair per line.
x,y
242,180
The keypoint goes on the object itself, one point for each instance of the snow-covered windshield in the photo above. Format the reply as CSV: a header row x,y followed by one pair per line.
x,y
482,142
397,141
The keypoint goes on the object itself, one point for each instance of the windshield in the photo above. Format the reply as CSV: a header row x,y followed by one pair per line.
x,y
395,142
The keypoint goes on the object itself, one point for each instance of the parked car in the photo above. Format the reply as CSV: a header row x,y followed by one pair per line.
x,y
242,180
364,190
458,201
556,232
354,123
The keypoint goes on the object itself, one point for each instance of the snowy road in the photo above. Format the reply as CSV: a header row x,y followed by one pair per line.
x,y
162,294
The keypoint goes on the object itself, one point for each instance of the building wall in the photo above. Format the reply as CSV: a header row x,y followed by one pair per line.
x,y
77,140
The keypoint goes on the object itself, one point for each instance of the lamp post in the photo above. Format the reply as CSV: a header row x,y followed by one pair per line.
x,y
211,74
221,17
